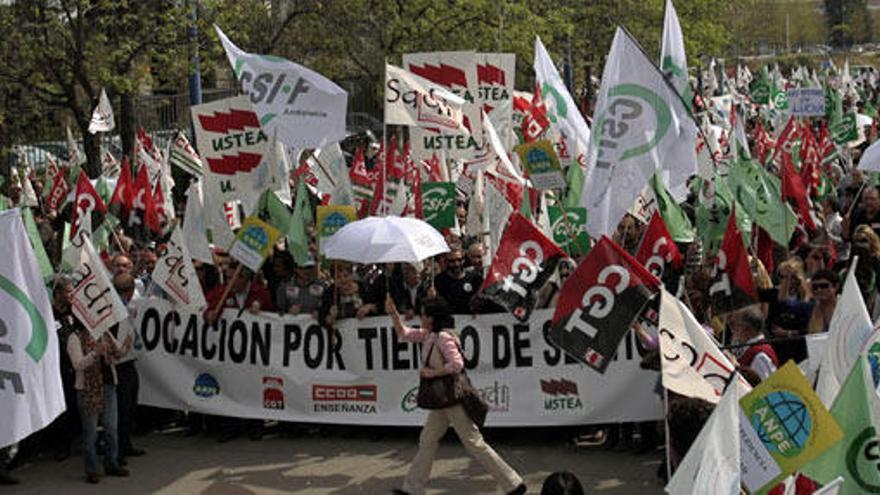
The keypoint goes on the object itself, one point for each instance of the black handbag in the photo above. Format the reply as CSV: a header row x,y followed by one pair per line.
x,y
449,390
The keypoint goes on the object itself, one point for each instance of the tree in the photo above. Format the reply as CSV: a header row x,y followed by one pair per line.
x,y
848,21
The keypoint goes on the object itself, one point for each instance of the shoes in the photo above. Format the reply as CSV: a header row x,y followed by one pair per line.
x,y
119,472
398,491
520,490
92,478
134,452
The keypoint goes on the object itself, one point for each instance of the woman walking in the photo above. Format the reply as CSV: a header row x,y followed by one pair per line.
x,y
441,356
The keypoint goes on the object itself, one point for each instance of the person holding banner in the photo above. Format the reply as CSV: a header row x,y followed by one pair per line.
x,y
96,381
441,356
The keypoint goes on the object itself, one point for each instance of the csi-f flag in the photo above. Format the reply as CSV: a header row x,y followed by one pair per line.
x,y
733,285
599,303
673,60
30,381
690,360
304,108
102,116
94,300
641,127
523,263
414,101
561,109
176,275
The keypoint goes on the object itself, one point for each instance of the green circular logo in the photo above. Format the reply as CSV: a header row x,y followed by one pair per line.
x,y
863,460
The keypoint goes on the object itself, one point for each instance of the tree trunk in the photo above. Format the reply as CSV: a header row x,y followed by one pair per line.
x,y
127,123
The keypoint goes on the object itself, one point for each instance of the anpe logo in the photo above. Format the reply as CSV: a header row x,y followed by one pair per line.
x,y
206,386
356,393
561,394
348,399
783,422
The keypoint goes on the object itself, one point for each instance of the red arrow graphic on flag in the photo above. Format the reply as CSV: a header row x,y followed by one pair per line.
x,y
230,164
445,75
223,122
489,74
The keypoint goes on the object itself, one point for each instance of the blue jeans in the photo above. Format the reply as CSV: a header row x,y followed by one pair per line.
x,y
90,431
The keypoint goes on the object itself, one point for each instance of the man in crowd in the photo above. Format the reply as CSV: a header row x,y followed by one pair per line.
x,y
456,285
303,293
126,374
867,213
756,358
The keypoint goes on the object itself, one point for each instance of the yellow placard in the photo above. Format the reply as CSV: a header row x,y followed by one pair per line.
x,y
331,218
254,242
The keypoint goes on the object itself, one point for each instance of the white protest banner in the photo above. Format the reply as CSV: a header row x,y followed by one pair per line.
x,y
641,118
414,101
456,71
496,75
175,274
238,154
94,301
284,367
31,395
304,108
102,116
806,102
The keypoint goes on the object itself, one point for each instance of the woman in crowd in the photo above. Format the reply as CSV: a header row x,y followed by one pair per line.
x,y
789,310
441,355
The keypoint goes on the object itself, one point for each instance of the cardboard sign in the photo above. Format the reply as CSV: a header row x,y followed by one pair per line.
x,y
540,159
254,242
806,102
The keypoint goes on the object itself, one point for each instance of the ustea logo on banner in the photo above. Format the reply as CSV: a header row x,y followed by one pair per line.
x,y
206,386
561,395
273,392
359,399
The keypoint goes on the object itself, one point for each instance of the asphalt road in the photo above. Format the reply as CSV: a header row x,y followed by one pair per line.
x,y
339,460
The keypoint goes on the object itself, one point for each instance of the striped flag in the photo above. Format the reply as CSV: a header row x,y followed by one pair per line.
x,y
182,154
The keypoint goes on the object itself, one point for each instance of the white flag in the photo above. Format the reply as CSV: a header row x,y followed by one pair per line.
x,y
102,116
870,160
194,228
305,108
643,123
415,101
498,211
848,331
94,300
712,464
691,362
328,164
673,60
176,275
561,108
28,195
182,154
30,380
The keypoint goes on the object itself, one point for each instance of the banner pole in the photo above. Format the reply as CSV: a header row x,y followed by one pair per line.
x,y
666,430
228,288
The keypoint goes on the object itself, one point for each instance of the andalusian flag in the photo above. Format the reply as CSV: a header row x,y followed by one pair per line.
x,y
673,61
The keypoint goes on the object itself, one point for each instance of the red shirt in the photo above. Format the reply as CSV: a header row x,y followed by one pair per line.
x,y
257,292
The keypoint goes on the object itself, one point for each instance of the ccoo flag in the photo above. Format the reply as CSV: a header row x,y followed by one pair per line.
x,y
304,108
523,263
30,381
641,123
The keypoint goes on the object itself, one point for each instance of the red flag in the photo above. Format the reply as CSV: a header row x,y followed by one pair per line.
x,y
782,142
363,182
765,248
58,192
162,215
657,249
120,202
734,286
434,172
535,121
142,212
85,202
599,303
523,263
793,188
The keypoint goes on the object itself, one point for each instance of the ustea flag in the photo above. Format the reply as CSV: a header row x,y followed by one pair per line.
x,y
599,303
31,395
523,263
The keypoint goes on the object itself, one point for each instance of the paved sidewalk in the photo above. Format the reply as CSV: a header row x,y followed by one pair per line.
x,y
346,461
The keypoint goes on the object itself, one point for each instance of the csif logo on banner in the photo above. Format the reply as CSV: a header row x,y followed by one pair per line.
x,y
562,234
267,88
435,201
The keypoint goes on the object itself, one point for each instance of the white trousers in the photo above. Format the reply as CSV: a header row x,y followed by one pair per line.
x,y
469,434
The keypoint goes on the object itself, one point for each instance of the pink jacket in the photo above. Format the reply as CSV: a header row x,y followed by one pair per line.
x,y
446,342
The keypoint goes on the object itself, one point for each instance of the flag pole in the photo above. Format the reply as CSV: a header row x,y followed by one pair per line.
x,y
666,430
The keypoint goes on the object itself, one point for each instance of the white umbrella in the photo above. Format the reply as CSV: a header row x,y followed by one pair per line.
x,y
385,240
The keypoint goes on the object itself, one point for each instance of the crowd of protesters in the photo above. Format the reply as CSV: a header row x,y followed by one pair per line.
x,y
797,297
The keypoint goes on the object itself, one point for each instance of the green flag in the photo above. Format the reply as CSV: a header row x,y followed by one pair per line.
x,y
854,456
716,201
37,243
678,224
297,238
101,236
575,179
759,194
760,88
271,210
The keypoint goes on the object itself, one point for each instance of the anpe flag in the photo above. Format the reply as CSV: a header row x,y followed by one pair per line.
x,y
599,302
523,263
